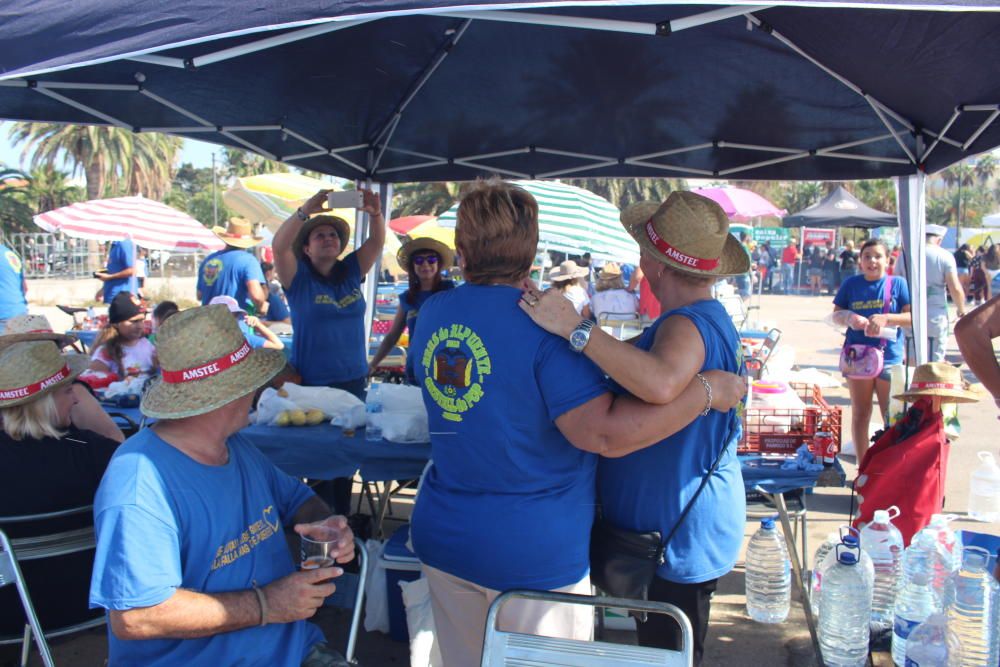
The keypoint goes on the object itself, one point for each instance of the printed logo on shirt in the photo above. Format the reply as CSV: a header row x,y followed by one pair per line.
x,y
258,531
344,302
210,272
870,304
456,364
13,260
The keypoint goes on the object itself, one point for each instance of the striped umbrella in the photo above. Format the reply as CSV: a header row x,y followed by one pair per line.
x,y
148,223
574,221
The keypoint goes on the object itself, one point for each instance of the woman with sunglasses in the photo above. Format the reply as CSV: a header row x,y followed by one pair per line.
x,y
424,259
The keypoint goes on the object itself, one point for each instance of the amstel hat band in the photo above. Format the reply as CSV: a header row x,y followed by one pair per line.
x,y
676,255
32,389
935,385
210,369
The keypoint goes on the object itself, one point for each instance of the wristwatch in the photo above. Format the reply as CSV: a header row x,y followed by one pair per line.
x,y
580,336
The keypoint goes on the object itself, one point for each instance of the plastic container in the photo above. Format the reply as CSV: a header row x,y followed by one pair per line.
x,y
973,616
373,406
853,541
933,644
984,490
924,557
949,557
768,575
914,604
818,570
884,543
400,565
844,611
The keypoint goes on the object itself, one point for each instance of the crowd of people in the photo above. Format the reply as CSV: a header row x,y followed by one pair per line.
x,y
537,416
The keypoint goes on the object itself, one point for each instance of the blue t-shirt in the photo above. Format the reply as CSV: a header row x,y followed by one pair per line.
x,y
121,256
12,301
226,272
648,489
276,308
509,502
867,298
165,521
410,312
256,341
328,316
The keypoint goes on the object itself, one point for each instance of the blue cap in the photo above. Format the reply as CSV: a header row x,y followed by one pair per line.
x,y
767,523
847,558
850,540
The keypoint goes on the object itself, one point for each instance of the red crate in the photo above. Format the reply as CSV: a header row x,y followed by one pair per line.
x,y
762,426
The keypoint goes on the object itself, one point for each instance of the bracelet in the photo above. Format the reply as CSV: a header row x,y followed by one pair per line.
x,y
262,601
301,214
708,392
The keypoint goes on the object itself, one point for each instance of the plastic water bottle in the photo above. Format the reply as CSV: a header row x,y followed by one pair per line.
x,y
984,490
818,570
926,557
973,616
949,557
844,610
884,543
373,406
914,604
933,644
768,575
853,541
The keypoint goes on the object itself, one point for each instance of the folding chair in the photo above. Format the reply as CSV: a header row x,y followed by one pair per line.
x,y
617,324
404,474
507,649
755,365
350,594
735,308
36,548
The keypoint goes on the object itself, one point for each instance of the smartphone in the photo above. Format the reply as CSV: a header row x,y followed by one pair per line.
x,y
345,199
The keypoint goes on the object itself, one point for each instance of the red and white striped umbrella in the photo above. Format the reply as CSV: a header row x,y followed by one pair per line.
x,y
148,223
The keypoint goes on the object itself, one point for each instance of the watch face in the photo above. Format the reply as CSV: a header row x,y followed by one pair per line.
x,y
578,339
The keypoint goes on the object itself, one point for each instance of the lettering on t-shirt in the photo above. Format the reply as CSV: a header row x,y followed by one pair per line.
x,y
248,540
456,364
343,302
870,304
210,272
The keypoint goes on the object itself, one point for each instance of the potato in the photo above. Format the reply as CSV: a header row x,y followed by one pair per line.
x,y
283,393
297,417
314,417
282,419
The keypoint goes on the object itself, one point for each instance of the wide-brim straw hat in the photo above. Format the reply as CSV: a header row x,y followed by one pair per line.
x,y
609,271
446,254
237,233
688,233
568,270
205,363
939,379
25,327
343,232
32,369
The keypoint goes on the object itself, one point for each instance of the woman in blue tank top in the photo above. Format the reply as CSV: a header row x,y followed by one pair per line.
x,y
424,259
685,247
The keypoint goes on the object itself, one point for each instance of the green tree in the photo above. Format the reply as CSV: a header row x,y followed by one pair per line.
x,y
424,198
623,192
238,163
191,192
879,193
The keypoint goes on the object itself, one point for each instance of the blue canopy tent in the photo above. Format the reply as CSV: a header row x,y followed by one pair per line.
x,y
407,91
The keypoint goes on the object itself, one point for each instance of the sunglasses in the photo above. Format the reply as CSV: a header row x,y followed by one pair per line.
x,y
420,259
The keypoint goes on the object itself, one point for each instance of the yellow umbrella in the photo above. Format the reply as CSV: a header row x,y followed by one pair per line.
x,y
431,229
268,199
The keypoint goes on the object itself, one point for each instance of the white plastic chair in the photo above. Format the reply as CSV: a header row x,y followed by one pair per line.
x,y
510,649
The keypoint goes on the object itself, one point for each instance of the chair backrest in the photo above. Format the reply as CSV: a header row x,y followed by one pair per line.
x,y
350,594
617,324
735,308
502,648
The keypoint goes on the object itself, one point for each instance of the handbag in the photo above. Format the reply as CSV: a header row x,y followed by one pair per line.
x,y
624,562
862,362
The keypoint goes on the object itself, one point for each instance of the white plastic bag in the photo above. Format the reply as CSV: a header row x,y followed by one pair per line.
x,y
402,398
424,651
403,427
376,602
333,402
270,406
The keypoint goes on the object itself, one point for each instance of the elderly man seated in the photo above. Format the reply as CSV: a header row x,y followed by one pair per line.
x,y
192,564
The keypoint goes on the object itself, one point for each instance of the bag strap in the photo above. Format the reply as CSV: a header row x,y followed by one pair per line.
x,y
704,482
886,300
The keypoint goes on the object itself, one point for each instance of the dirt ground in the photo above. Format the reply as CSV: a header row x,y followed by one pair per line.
x,y
733,637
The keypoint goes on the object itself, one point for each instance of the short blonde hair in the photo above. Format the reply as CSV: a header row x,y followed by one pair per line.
x,y
497,232
36,419
604,284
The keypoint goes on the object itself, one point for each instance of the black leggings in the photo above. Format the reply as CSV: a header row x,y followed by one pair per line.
x,y
695,600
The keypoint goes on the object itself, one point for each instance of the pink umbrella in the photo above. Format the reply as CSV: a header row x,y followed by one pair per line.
x,y
148,223
741,205
407,222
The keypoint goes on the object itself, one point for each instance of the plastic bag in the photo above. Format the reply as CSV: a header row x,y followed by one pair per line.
x,y
376,602
333,402
270,406
402,398
424,651
403,427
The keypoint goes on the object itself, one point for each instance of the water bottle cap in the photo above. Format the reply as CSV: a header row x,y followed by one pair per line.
x,y
850,540
881,516
767,524
847,558
974,558
927,537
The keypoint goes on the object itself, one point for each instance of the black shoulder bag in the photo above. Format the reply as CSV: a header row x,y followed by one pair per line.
x,y
623,562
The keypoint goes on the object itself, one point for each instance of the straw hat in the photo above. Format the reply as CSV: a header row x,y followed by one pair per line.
x,y
205,363
343,231
26,327
609,271
688,233
568,270
31,369
939,379
238,233
446,254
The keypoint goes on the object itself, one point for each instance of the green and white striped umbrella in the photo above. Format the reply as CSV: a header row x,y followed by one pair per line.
x,y
574,221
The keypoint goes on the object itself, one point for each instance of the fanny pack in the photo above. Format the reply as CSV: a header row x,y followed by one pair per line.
x,y
862,362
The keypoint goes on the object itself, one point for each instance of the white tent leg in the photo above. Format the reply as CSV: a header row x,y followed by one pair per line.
x,y
910,200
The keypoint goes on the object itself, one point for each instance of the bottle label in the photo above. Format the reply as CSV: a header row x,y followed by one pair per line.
x,y
902,627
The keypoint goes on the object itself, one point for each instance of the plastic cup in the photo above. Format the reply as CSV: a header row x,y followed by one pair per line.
x,y
321,548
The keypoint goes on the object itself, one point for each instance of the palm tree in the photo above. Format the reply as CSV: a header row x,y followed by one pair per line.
x,y
241,163
152,166
424,198
623,192
879,193
49,189
985,168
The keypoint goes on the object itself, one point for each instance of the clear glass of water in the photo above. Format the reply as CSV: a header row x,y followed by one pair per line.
x,y
320,548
